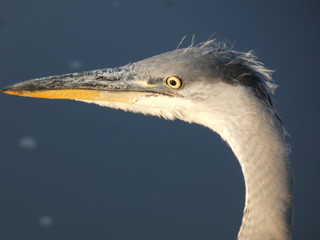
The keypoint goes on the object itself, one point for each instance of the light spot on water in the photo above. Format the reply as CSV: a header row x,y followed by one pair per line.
x,y
28,142
45,221
75,64
116,4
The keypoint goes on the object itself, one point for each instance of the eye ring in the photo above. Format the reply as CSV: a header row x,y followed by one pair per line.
x,y
174,82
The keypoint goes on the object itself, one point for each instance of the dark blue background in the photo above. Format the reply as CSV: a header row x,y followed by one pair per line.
x,y
97,173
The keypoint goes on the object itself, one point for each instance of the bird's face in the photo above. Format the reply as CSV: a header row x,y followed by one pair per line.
x,y
160,85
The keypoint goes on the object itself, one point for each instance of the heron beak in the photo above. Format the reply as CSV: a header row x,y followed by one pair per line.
x,y
111,84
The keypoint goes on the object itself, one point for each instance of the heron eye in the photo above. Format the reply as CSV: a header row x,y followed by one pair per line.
x,y
174,82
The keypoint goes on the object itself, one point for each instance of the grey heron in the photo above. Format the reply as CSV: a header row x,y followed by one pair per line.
x,y
220,88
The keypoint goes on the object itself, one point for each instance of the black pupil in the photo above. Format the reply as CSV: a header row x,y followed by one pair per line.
x,y
173,82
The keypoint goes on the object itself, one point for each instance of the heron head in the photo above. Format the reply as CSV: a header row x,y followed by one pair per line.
x,y
166,85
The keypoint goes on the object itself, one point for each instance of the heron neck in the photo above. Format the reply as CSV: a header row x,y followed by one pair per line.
x,y
262,154
257,139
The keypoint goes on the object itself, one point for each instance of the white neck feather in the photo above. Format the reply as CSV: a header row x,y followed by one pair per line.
x,y
255,137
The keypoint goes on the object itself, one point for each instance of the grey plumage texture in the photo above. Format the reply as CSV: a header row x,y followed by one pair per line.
x,y
214,61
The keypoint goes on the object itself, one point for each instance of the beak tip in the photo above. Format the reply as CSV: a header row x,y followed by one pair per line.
x,y
3,90
9,90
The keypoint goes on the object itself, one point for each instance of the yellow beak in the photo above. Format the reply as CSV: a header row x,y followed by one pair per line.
x,y
111,84
79,94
